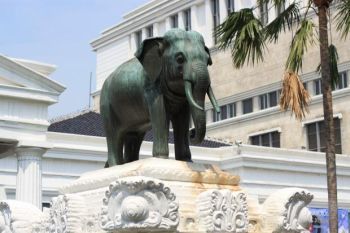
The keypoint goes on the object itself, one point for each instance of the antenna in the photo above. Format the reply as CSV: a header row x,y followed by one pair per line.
x,y
90,90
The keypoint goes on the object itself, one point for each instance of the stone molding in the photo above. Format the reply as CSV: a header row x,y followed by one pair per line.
x,y
30,153
139,204
223,211
156,168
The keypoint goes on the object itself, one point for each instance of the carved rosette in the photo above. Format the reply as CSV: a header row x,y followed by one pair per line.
x,y
6,217
297,217
58,215
223,211
139,203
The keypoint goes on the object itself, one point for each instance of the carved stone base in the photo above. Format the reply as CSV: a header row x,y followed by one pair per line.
x,y
159,195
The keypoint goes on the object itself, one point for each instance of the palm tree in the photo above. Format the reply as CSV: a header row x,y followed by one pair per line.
x,y
247,36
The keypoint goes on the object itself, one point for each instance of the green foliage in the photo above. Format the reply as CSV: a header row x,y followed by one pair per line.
x,y
333,65
343,18
242,31
303,38
285,19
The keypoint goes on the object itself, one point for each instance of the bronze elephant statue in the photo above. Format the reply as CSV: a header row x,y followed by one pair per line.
x,y
167,81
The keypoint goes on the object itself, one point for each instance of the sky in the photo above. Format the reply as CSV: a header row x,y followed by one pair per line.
x,y
59,32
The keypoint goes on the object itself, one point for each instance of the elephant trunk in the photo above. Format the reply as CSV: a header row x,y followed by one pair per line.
x,y
195,92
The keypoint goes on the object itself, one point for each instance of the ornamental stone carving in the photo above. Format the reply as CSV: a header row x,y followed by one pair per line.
x,y
223,211
285,211
139,204
58,215
297,217
5,218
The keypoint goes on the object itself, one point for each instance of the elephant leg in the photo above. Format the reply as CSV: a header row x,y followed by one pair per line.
x,y
132,146
160,127
181,122
114,137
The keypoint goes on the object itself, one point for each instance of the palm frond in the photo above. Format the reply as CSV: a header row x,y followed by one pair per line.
x,y
303,38
282,21
343,18
294,95
242,32
333,65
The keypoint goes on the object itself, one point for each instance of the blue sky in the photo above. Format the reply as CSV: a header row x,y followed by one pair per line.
x,y
59,32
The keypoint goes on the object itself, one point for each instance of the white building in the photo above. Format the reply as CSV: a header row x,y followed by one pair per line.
x,y
249,96
71,146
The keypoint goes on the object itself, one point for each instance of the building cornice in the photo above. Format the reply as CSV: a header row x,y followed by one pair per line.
x,y
32,75
337,94
155,14
29,94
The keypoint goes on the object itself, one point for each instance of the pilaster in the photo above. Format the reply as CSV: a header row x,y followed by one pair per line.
x,y
156,29
167,24
181,17
29,170
209,24
194,16
223,10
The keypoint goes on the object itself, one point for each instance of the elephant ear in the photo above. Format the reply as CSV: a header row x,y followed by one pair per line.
x,y
150,55
210,62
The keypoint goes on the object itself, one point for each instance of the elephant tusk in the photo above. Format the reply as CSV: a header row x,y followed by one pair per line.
x,y
188,91
213,99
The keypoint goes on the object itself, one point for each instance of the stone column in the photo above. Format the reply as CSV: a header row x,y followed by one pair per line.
x,y
29,187
223,10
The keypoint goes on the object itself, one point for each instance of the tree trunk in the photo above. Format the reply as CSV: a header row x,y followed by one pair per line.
x,y
328,120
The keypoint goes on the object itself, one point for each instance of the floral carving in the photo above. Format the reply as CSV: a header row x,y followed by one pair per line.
x,y
297,217
6,215
58,215
223,211
139,203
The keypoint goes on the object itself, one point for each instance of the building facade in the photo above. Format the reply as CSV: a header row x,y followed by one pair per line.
x,y
248,97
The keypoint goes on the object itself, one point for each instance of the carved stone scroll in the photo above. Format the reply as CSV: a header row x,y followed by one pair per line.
x,y
223,211
297,217
139,204
5,222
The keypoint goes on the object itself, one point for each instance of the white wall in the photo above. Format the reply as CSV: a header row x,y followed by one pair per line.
x,y
110,57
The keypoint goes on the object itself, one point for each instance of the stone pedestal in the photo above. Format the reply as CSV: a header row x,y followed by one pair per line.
x,y
28,185
160,195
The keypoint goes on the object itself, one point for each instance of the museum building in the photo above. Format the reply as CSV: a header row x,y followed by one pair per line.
x,y
248,97
38,156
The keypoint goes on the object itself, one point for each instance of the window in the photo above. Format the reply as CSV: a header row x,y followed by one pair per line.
x,y
46,205
264,13
216,16
187,17
138,38
271,139
317,87
216,116
230,6
268,100
343,81
226,111
149,30
247,105
316,136
174,20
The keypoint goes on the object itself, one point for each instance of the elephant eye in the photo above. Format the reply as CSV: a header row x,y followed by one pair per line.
x,y
180,58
